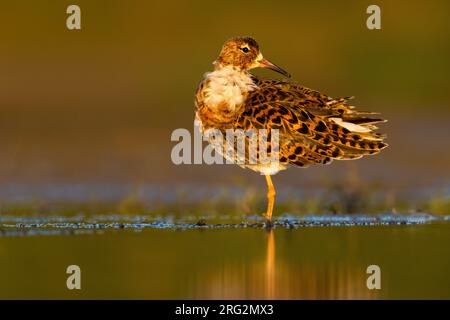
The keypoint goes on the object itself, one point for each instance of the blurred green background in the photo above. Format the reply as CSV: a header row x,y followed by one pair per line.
x,y
98,105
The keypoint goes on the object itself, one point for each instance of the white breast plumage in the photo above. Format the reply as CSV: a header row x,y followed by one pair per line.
x,y
227,86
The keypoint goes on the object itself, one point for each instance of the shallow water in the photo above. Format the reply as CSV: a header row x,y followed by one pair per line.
x,y
301,258
20,225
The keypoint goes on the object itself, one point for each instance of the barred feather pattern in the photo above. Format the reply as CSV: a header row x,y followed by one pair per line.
x,y
313,127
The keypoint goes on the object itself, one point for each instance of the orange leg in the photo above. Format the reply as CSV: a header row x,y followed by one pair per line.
x,y
270,198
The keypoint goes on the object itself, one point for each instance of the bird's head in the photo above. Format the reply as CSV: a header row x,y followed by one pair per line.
x,y
244,53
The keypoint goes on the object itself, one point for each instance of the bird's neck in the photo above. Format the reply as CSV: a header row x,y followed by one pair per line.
x,y
226,88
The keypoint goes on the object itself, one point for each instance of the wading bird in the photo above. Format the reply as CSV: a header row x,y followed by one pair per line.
x,y
313,127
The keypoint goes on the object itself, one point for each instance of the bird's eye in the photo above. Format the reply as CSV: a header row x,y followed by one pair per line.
x,y
245,49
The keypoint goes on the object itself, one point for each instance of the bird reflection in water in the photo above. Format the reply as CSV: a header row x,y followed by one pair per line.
x,y
277,277
270,265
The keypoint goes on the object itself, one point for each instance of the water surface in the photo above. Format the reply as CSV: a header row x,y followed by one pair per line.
x,y
188,260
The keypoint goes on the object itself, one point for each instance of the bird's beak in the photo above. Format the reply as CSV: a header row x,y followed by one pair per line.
x,y
264,63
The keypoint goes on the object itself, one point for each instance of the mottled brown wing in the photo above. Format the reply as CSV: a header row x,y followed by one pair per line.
x,y
300,97
308,135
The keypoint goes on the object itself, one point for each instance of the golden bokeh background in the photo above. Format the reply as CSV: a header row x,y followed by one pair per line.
x,y
98,105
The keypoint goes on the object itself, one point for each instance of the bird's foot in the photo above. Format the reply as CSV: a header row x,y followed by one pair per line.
x,y
268,224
